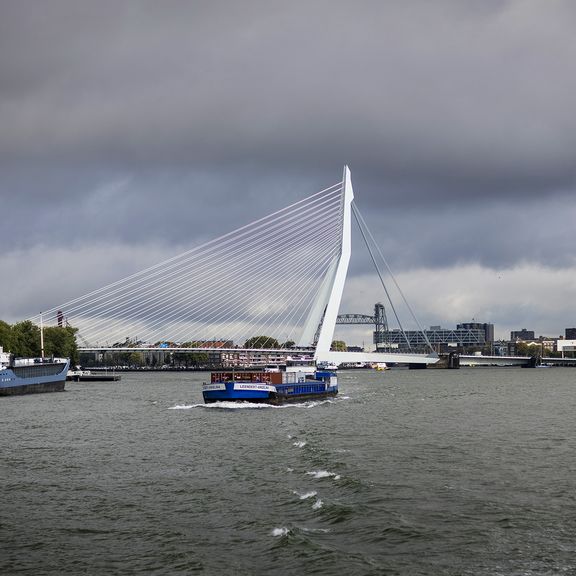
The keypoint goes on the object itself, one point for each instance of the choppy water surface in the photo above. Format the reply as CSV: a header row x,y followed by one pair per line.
x,y
407,472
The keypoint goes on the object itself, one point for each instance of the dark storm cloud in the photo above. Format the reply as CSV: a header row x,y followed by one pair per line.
x,y
446,91
168,123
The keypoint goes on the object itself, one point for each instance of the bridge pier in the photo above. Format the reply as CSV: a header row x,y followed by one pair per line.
x,y
453,361
412,366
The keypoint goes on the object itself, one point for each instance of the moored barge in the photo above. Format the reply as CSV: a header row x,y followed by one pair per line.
x,y
31,375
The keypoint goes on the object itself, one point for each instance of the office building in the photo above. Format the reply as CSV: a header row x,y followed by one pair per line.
x,y
522,334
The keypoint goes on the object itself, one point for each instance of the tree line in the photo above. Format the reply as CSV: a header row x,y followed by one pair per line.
x,y
272,343
23,340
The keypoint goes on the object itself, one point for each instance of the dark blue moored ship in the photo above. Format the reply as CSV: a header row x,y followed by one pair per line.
x,y
31,375
292,384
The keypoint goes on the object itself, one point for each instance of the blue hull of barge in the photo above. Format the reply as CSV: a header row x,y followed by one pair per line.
x,y
33,379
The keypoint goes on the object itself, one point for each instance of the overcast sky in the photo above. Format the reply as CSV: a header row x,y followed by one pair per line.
x,y
133,130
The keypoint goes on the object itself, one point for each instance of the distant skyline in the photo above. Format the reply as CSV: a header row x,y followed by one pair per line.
x,y
134,130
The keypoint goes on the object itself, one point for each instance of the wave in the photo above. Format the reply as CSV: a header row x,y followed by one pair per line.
x,y
314,403
283,531
306,495
323,474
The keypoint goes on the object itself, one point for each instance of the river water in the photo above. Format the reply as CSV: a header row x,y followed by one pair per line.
x,y
432,472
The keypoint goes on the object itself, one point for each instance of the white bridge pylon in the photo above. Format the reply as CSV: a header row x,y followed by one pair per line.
x,y
330,297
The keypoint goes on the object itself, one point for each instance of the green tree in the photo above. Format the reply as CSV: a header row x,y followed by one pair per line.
x,y
289,344
338,346
25,339
5,336
135,359
261,342
525,349
61,342
190,358
201,358
182,358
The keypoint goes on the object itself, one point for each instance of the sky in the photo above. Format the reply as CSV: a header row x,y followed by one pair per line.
x,y
132,130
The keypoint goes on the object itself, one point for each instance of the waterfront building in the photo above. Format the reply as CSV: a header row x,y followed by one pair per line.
x,y
570,334
566,346
544,345
441,339
243,358
354,349
488,329
522,334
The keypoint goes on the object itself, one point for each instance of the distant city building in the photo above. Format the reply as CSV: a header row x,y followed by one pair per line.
x,y
544,344
440,338
488,329
250,358
522,334
566,346
212,344
354,349
504,348
570,334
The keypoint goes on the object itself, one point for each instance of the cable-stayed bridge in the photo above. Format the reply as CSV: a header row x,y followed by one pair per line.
x,y
281,276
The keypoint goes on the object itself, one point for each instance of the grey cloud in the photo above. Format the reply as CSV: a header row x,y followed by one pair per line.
x,y
422,90
141,122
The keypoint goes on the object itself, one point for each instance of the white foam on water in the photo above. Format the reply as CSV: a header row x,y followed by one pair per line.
x,y
183,406
225,406
299,444
315,403
306,495
279,532
323,474
333,400
255,406
237,406
317,505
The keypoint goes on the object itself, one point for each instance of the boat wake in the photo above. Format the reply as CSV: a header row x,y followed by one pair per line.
x,y
224,406
315,403
256,405
233,406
